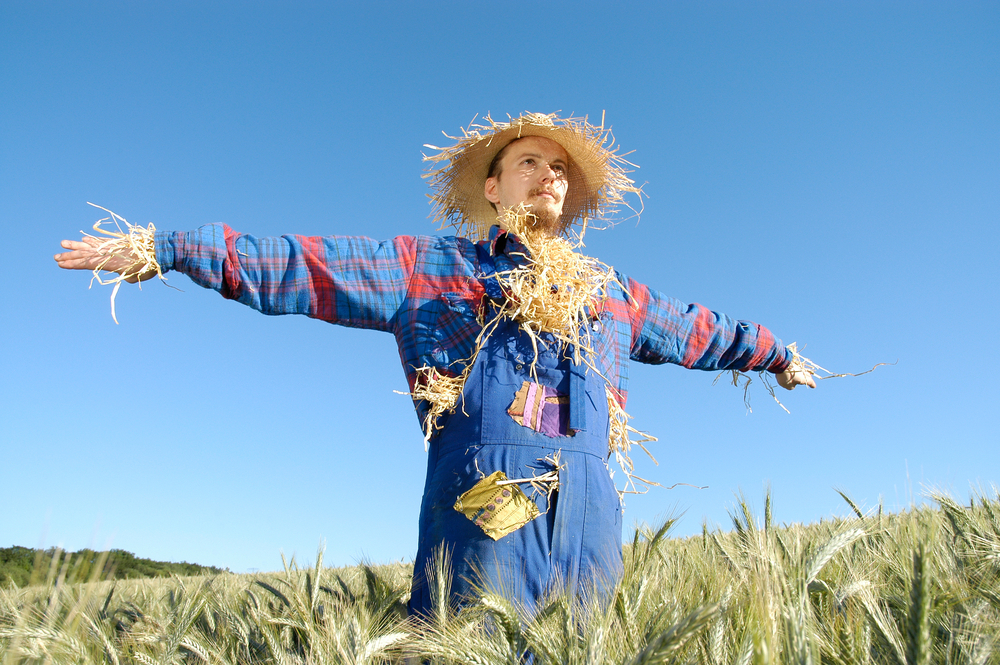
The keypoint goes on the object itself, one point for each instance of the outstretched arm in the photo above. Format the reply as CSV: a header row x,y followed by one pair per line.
x,y
348,280
666,330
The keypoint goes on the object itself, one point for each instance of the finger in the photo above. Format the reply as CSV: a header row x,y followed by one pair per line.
x,y
78,255
85,259
77,249
86,242
804,378
77,263
75,254
74,245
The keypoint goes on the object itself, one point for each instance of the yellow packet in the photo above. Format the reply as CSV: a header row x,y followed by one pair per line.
x,y
497,509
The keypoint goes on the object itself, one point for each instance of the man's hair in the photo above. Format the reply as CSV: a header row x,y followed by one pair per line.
x,y
496,168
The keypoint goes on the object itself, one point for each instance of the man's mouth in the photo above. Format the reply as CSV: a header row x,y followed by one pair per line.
x,y
541,191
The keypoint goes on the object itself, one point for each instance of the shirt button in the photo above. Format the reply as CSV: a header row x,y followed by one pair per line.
x,y
518,366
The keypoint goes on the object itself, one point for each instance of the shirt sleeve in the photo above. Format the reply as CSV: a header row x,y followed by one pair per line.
x,y
352,281
666,330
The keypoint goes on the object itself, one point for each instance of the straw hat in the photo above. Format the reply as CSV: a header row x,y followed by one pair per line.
x,y
597,175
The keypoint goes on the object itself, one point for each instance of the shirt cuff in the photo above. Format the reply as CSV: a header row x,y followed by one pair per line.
x,y
780,365
164,250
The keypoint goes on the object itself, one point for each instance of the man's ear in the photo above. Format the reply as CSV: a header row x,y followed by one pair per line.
x,y
491,190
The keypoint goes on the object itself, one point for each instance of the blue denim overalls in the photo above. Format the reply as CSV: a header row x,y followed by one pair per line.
x,y
575,543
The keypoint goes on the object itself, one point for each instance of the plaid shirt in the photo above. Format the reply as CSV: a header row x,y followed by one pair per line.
x,y
428,290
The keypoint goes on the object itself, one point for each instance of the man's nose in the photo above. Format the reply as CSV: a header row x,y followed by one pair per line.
x,y
548,173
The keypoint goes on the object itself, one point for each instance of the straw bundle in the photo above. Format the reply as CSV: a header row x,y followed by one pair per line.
x,y
554,290
135,245
441,392
544,484
620,441
799,364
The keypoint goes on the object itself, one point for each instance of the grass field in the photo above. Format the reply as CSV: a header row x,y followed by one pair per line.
x,y
912,588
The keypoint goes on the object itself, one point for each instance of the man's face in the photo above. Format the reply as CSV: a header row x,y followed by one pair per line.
x,y
533,172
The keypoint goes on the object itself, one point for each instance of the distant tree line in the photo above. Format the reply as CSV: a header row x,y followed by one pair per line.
x,y
23,566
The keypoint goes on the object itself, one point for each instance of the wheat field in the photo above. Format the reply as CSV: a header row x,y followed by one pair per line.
x,y
913,588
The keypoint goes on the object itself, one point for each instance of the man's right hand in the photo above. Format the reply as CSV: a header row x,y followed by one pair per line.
x,y
85,255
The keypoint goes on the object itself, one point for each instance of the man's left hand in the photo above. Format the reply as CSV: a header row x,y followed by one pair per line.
x,y
795,375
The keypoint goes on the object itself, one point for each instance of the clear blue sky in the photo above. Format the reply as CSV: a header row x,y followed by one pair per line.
x,y
828,169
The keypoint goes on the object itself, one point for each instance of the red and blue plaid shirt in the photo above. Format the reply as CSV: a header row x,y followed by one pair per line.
x,y
428,291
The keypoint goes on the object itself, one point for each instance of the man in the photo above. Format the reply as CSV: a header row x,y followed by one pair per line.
x,y
515,347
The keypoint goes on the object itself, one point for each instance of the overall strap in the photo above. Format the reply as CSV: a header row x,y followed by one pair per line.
x,y
488,269
578,396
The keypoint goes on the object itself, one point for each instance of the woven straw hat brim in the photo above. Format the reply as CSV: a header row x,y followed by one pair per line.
x,y
596,175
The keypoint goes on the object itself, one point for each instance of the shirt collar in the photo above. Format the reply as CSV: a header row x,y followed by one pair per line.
x,y
504,242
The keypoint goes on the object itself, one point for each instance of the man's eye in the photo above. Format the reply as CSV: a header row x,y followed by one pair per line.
x,y
559,168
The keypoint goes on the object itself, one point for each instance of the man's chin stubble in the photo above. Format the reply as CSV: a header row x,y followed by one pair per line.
x,y
546,220
542,218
